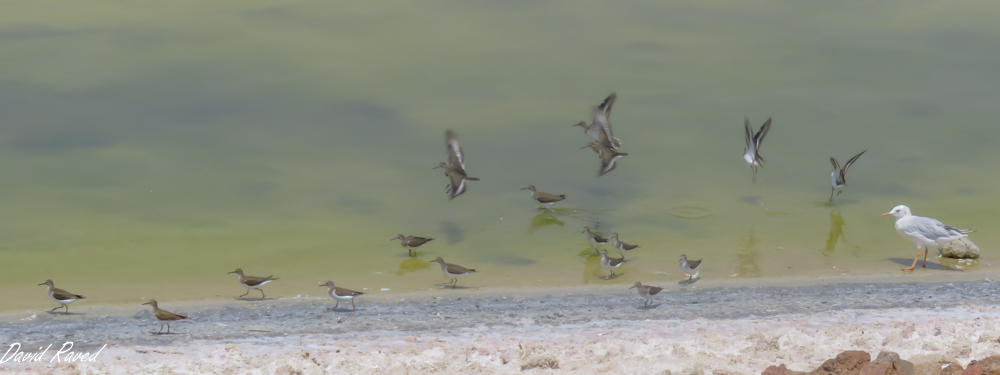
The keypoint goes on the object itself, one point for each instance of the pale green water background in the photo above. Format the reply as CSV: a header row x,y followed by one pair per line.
x,y
147,149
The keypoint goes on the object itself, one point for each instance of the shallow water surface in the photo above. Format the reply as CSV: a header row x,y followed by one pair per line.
x,y
148,149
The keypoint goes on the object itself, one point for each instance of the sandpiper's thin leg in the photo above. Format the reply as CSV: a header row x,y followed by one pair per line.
x,y
925,256
454,282
831,194
335,306
161,329
67,308
412,253
248,292
754,169
56,308
168,328
915,260
353,306
261,294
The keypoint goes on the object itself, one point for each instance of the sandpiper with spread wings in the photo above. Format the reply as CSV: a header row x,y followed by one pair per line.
x,y
751,154
837,178
609,155
164,316
601,124
455,168
923,231
341,294
63,297
253,282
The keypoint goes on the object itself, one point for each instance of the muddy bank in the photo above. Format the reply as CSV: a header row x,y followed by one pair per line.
x,y
741,330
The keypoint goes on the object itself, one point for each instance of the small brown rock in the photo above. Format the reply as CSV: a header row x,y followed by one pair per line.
x,y
935,364
962,248
780,370
888,363
986,366
847,362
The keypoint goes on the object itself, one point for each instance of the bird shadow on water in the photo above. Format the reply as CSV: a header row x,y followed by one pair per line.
x,y
253,299
62,313
688,281
645,307
452,232
411,265
544,219
612,277
448,286
930,265
343,310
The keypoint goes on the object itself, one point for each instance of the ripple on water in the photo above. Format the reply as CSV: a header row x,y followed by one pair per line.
x,y
690,212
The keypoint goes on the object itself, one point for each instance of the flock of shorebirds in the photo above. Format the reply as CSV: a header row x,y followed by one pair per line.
x,y
923,231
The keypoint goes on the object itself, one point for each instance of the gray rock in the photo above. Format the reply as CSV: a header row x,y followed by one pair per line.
x,y
962,248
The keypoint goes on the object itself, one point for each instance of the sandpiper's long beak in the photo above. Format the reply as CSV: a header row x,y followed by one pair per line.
x,y
632,287
580,233
230,272
585,146
436,167
524,189
41,284
886,214
146,303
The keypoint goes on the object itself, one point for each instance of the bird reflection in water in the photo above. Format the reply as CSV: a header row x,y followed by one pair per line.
x,y
747,255
411,264
544,219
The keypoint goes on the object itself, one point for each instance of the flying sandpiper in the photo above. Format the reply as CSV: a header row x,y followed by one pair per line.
x,y
751,154
608,154
594,238
601,124
689,267
164,316
63,297
453,271
621,246
455,168
341,294
253,282
837,178
544,198
647,292
411,242
610,264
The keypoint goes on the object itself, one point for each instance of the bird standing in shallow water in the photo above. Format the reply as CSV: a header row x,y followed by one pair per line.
x,y
838,175
621,246
63,297
923,231
455,168
690,267
610,264
647,292
411,242
594,238
751,154
453,271
601,124
544,198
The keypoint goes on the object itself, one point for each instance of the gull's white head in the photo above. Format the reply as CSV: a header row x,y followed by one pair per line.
x,y
899,211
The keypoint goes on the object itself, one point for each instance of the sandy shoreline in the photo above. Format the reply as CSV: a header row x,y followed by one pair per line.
x,y
734,330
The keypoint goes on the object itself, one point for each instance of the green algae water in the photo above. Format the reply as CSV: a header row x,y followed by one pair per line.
x,y
148,149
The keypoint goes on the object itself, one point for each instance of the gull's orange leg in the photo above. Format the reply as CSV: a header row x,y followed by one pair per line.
x,y
925,256
915,260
